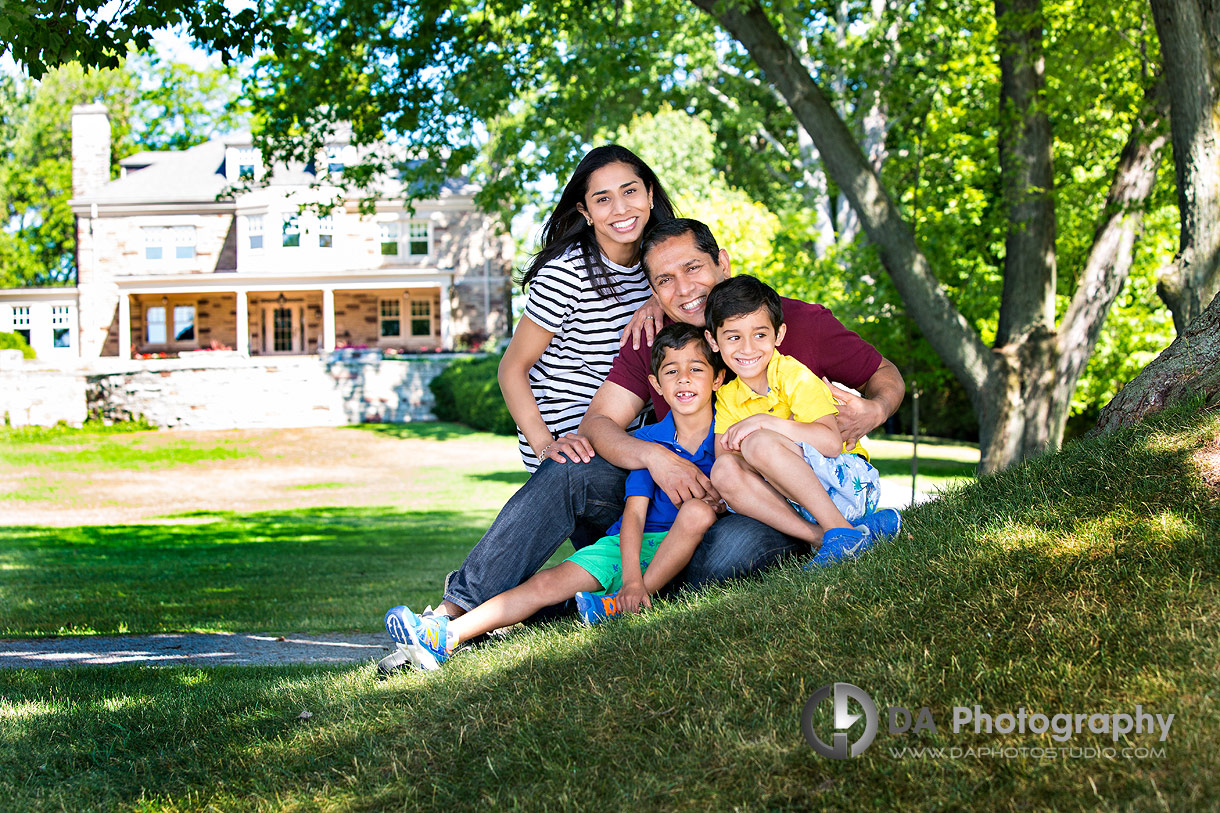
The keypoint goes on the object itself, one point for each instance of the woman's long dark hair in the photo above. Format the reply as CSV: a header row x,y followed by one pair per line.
x,y
565,227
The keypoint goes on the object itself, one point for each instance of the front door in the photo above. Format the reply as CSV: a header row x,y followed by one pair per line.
x,y
283,329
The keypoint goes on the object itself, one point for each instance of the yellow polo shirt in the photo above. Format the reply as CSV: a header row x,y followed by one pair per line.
x,y
793,393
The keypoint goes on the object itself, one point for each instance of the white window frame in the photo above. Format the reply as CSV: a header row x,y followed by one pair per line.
x,y
254,229
176,244
389,309
390,235
326,231
286,221
249,157
61,320
22,323
413,316
163,322
169,324
413,237
182,306
156,238
184,243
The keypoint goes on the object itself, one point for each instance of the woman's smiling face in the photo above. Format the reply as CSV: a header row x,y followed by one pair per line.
x,y
618,203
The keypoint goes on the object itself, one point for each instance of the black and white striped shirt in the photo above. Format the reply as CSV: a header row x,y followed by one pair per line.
x,y
562,300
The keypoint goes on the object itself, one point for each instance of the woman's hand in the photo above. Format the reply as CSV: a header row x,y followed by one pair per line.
x,y
569,447
646,320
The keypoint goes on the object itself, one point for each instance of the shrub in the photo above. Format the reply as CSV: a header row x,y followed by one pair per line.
x,y
15,341
468,392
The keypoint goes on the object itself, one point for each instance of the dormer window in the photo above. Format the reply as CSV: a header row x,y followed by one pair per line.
x,y
334,160
248,161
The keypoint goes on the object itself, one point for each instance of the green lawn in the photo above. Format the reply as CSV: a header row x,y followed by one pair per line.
x,y
1085,582
312,569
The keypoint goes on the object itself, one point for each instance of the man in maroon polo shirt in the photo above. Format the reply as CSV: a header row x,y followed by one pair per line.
x,y
684,263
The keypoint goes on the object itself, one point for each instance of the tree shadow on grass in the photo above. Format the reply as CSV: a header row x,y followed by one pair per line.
x,y
419,430
509,477
314,569
930,465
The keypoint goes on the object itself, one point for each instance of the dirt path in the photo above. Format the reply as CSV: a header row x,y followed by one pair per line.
x,y
180,649
286,469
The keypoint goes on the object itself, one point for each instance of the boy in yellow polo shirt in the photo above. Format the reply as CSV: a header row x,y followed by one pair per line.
x,y
775,423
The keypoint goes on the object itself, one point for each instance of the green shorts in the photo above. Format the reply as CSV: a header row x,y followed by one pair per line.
x,y
604,559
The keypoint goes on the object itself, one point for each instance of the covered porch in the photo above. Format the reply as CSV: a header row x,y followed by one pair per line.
x,y
270,317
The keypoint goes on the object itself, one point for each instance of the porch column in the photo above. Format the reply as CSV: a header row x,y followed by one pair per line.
x,y
124,325
328,319
243,324
446,327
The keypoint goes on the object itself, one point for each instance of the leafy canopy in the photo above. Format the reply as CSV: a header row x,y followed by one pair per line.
x,y
42,35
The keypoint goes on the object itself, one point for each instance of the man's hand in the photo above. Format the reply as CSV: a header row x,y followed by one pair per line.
x,y
633,598
857,415
680,479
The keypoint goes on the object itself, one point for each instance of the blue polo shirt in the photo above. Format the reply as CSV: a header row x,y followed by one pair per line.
x,y
661,511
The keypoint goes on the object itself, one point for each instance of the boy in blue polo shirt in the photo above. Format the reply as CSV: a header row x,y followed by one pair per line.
x,y
640,554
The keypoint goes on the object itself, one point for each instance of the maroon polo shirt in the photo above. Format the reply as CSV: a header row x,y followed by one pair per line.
x,y
815,338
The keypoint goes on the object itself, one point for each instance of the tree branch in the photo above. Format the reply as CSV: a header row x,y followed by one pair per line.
x,y
941,323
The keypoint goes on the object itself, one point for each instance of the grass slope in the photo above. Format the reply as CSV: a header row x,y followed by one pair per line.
x,y
1083,582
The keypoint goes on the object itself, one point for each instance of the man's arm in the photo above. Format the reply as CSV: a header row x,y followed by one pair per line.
x,y
883,394
612,409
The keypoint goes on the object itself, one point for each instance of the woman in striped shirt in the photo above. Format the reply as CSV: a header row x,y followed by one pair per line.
x,y
583,288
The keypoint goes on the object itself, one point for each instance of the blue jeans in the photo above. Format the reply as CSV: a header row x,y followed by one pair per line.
x,y
560,498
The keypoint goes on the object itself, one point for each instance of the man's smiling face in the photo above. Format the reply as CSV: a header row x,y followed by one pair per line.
x,y
682,276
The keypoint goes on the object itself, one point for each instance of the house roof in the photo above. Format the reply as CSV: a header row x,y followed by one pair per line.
x,y
198,176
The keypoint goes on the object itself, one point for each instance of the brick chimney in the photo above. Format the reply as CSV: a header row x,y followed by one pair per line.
x,y
90,148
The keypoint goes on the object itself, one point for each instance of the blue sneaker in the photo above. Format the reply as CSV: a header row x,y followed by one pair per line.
x,y
424,640
839,544
883,523
595,608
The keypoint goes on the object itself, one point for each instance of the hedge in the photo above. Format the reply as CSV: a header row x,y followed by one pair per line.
x,y
14,341
468,392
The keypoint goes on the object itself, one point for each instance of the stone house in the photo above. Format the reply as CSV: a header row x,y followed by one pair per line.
x,y
172,258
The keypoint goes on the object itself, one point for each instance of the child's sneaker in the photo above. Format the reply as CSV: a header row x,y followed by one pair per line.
x,y
424,640
839,544
595,608
883,523
408,656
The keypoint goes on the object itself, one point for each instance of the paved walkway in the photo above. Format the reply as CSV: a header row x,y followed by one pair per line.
x,y
174,649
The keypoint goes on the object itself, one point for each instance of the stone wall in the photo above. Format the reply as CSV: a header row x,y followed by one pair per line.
x,y
41,397
218,390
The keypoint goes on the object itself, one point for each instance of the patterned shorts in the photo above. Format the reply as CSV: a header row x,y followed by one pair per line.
x,y
851,481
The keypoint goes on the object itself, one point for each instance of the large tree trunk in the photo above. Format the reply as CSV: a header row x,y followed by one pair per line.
x,y
1021,388
1188,368
1189,34
1025,334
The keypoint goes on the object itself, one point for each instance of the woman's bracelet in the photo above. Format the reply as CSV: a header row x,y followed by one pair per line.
x,y
546,449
